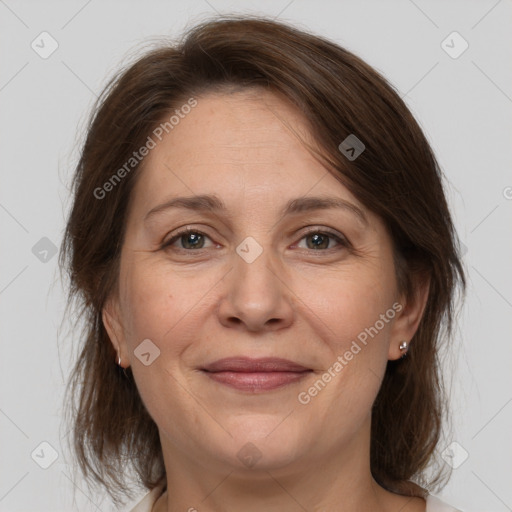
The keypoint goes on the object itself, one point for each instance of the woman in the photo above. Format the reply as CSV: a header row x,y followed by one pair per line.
x,y
260,240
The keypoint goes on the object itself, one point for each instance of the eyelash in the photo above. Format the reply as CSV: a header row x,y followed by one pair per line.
x,y
342,241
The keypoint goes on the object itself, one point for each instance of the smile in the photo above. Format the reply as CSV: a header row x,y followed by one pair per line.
x,y
257,381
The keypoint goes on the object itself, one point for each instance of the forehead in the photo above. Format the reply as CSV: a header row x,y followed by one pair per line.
x,y
245,146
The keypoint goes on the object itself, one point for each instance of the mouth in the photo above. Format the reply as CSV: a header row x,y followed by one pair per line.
x,y
255,375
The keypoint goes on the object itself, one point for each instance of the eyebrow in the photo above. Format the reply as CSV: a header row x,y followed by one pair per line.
x,y
213,203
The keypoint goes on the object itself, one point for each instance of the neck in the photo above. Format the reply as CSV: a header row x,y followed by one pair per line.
x,y
340,480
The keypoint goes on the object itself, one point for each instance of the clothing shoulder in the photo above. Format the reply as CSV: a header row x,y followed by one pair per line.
x,y
147,503
434,504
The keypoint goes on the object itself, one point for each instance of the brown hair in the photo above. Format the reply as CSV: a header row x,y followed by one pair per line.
x,y
397,177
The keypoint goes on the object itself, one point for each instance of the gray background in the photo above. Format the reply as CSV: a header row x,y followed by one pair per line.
x,y
464,105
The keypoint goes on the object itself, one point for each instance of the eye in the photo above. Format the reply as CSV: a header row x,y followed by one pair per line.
x,y
190,239
318,240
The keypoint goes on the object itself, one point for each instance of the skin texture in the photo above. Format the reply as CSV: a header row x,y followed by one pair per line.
x,y
293,301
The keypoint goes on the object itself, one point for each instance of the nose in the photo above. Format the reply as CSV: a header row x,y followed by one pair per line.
x,y
256,296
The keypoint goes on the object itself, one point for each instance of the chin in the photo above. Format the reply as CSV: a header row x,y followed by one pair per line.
x,y
265,442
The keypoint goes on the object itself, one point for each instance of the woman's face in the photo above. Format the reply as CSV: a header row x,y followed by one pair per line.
x,y
271,274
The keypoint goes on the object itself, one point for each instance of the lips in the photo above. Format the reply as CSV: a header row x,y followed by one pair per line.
x,y
255,375
246,364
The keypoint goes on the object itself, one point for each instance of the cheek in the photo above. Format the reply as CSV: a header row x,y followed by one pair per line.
x,y
148,304
157,307
352,301
163,306
354,315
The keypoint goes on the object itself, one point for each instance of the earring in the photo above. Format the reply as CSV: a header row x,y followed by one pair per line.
x,y
403,348
119,364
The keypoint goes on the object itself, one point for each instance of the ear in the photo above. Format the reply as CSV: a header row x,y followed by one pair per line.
x,y
409,315
111,317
